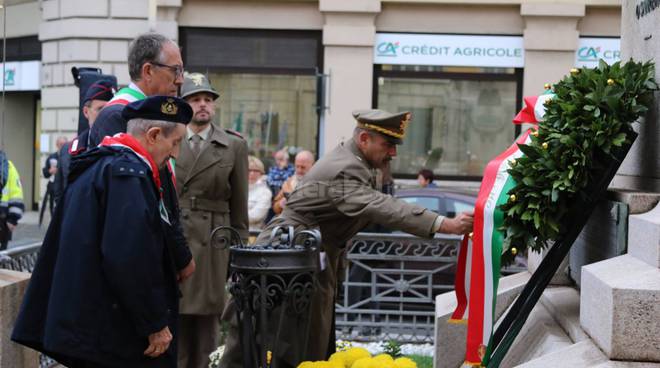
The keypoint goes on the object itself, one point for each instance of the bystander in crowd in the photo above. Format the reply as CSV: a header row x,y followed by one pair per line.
x,y
259,195
302,163
11,200
425,179
51,165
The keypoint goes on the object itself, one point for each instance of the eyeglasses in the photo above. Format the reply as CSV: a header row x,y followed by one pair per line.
x,y
177,69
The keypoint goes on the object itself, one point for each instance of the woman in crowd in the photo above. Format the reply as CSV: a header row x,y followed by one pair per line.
x,y
259,195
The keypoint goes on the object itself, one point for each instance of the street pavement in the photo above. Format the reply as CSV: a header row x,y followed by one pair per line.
x,y
28,230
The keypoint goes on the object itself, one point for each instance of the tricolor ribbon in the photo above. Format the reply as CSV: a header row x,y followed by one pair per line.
x,y
462,281
478,267
487,251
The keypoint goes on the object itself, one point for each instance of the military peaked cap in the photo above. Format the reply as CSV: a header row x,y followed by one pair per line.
x,y
101,90
196,83
161,108
392,126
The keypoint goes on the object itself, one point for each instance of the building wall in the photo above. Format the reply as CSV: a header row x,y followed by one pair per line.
x,y
96,33
294,15
450,18
23,19
19,140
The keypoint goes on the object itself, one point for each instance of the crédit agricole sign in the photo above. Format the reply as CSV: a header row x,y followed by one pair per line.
x,y
453,50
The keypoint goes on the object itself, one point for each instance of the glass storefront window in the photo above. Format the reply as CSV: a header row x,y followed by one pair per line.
x,y
457,125
271,111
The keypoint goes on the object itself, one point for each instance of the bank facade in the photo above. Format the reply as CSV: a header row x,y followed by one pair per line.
x,y
290,72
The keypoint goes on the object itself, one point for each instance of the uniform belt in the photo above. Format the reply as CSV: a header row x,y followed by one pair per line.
x,y
204,204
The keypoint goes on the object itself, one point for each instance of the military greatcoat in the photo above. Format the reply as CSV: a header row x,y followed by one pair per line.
x,y
213,191
339,197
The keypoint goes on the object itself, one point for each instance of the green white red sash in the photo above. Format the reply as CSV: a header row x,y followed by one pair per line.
x,y
478,267
487,251
127,95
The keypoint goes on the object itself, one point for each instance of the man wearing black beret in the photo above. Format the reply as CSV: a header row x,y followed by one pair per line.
x,y
104,290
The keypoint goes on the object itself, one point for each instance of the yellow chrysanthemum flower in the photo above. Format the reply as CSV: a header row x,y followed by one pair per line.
x,y
404,363
333,364
384,361
339,357
354,354
385,357
365,363
306,365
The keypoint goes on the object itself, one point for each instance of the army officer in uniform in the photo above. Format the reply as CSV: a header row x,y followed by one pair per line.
x,y
212,184
338,196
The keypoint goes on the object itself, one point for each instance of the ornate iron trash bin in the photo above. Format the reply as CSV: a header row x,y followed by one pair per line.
x,y
271,283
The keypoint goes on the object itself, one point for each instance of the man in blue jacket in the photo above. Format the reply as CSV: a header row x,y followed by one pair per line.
x,y
104,291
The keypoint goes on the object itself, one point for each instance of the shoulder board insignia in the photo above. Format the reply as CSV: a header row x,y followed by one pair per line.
x,y
233,132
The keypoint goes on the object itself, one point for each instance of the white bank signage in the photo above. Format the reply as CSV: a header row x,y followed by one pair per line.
x,y
21,75
453,50
591,49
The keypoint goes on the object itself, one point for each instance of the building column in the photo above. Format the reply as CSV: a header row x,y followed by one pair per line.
x,y
550,38
348,37
91,34
83,34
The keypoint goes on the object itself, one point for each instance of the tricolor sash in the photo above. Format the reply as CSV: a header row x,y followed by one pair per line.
x,y
125,96
486,252
478,267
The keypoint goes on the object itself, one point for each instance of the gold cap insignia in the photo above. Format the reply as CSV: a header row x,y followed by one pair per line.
x,y
169,107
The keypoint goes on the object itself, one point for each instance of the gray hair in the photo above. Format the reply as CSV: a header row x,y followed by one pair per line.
x,y
145,48
138,127
358,130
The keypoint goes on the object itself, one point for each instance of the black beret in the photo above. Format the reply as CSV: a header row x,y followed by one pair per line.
x,y
101,90
163,108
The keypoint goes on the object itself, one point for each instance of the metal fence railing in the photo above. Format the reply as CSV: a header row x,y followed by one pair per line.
x,y
390,285
20,258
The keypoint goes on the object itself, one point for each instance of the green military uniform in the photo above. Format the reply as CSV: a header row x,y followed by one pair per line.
x,y
213,191
339,197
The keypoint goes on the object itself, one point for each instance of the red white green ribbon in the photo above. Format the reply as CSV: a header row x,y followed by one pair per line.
x,y
534,109
462,281
127,95
487,251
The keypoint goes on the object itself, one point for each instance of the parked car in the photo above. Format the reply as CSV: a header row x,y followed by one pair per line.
x,y
447,202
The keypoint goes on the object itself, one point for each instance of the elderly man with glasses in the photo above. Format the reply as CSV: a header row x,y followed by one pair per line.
x,y
156,69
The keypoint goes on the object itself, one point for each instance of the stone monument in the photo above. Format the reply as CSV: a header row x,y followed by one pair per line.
x,y
620,297
12,288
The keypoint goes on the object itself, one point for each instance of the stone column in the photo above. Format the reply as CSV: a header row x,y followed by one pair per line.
x,y
550,34
620,299
12,288
640,40
83,33
348,38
